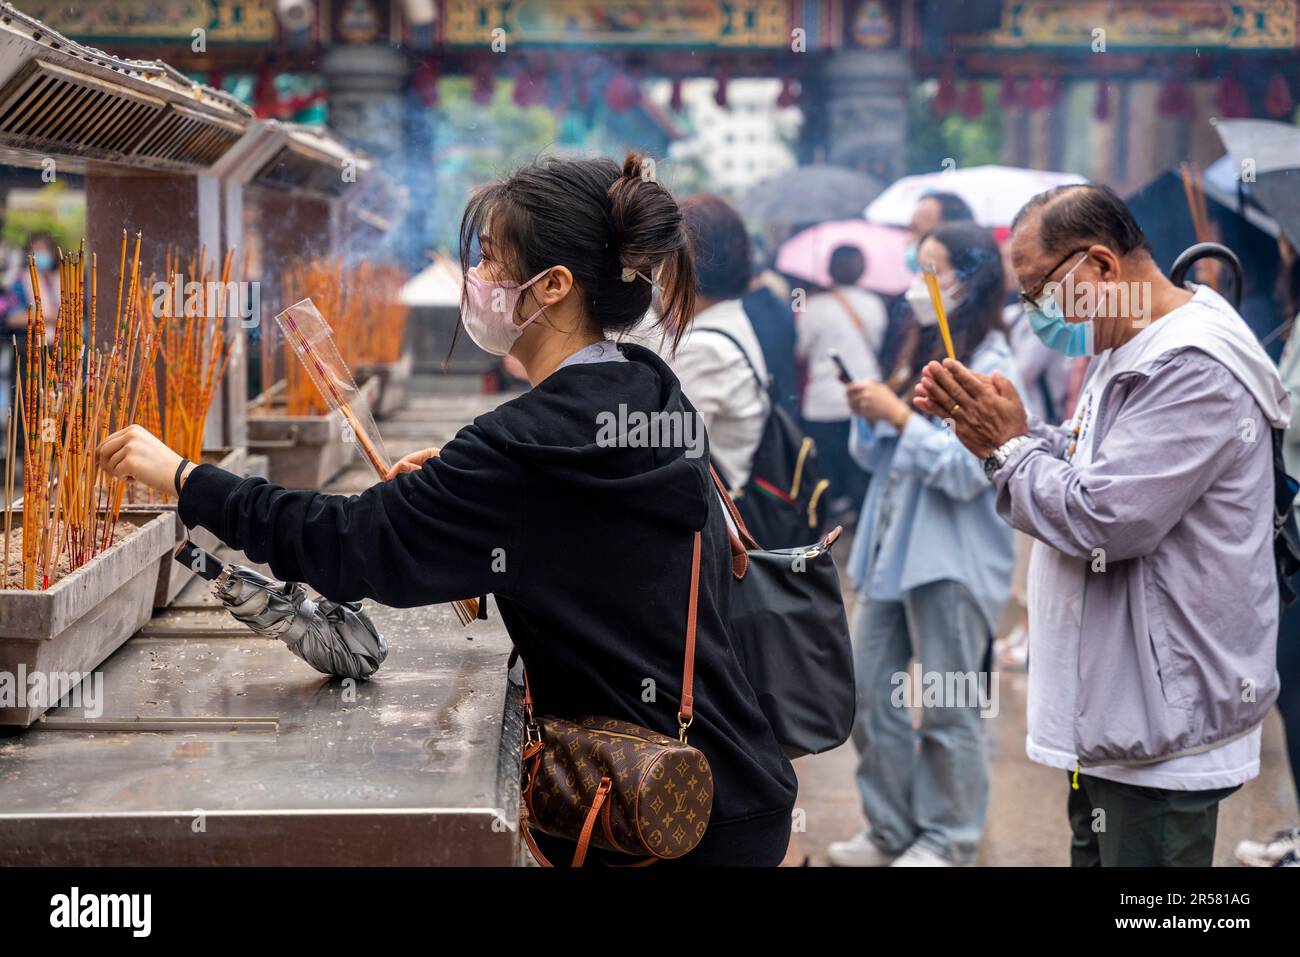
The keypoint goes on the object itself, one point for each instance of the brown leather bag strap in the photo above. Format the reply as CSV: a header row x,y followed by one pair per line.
x,y
685,712
745,537
589,825
536,851
739,546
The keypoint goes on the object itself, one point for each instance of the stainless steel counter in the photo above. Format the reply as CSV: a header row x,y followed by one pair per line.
x,y
218,747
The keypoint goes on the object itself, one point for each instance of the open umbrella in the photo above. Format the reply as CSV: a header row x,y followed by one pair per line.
x,y
994,193
1269,152
336,638
807,195
1161,209
807,256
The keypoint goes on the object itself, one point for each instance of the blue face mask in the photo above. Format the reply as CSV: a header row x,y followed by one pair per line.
x,y
909,258
1050,325
44,261
1070,338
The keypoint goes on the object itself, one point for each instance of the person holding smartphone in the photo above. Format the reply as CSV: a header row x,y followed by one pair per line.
x,y
932,563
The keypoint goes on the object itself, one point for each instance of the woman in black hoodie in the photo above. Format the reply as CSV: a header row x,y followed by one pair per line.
x,y
586,542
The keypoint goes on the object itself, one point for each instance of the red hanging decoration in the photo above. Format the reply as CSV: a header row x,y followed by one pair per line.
x,y
1009,95
972,101
1174,99
425,82
1037,96
945,99
1231,99
215,79
720,91
675,102
1101,105
1055,91
484,87
620,93
787,97
1277,99
265,98
530,85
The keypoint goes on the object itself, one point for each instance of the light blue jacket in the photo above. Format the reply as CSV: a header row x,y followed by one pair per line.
x,y
929,514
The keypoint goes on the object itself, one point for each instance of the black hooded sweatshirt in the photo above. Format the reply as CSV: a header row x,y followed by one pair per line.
x,y
586,546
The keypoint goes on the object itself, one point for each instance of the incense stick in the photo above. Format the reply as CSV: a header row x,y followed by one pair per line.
x,y
931,278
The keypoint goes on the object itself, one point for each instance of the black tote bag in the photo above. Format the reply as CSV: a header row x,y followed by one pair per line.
x,y
786,619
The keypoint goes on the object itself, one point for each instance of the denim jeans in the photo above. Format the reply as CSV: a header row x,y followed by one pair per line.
x,y
928,786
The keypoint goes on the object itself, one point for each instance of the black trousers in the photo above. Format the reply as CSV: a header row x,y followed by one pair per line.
x,y
1125,825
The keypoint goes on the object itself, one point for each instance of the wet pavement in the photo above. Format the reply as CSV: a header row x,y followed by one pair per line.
x,y
1026,821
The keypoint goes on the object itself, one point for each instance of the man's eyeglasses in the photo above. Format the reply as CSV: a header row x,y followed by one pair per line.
x,y
1030,299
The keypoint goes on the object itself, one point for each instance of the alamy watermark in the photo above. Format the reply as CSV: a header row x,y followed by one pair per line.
x,y
945,689
212,299
42,690
635,429
1094,300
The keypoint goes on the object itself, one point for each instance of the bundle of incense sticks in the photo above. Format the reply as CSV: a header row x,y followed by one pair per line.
x,y
323,282
69,397
315,346
931,278
195,351
1194,189
381,330
366,313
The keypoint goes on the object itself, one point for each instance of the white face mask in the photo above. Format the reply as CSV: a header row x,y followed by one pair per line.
x,y
918,297
489,311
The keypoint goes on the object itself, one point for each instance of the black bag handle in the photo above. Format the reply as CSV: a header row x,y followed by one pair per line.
x,y
762,386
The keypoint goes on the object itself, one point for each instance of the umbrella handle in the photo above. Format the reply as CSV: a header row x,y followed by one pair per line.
x,y
1193,254
201,561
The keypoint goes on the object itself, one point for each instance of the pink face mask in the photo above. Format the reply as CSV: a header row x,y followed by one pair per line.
x,y
489,312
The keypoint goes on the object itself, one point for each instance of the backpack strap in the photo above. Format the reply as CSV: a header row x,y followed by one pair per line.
x,y
758,379
847,306
1286,535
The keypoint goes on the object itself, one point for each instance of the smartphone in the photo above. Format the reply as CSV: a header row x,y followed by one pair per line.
x,y
843,374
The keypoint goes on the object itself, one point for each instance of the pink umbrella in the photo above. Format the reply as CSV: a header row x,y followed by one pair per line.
x,y
807,255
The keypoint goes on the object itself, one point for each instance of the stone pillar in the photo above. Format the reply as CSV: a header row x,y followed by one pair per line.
x,y
367,83
369,107
864,95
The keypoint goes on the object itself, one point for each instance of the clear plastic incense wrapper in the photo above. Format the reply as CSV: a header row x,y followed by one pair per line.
x,y
313,342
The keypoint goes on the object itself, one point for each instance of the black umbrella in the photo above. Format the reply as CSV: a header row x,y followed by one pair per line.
x,y
1160,207
336,638
1267,156
808,195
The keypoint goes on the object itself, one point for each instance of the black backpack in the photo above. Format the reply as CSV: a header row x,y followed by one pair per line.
x,y
779,502
1286,536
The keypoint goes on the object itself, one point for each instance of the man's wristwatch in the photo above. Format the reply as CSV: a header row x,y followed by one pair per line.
x,y
1002,453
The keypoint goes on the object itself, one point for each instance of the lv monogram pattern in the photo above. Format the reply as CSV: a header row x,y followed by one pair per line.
x,y
662,791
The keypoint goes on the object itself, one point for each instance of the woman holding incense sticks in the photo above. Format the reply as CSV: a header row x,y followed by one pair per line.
x,y
932,564
587,542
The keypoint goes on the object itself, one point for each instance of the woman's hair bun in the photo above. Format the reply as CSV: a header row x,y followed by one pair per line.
x,y
613,227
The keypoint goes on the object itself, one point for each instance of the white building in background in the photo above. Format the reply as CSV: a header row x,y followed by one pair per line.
x,y
736,146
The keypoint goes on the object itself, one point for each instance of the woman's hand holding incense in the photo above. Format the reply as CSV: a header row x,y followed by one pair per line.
x,y
875,401
984,411
136,453
411,462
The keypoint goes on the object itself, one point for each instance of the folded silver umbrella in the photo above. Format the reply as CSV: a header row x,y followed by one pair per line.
x,y
337,638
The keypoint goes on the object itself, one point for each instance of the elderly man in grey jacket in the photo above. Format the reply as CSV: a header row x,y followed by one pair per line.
x,y
1153,592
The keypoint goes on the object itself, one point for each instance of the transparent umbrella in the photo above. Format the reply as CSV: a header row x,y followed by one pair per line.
x,y
337,638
